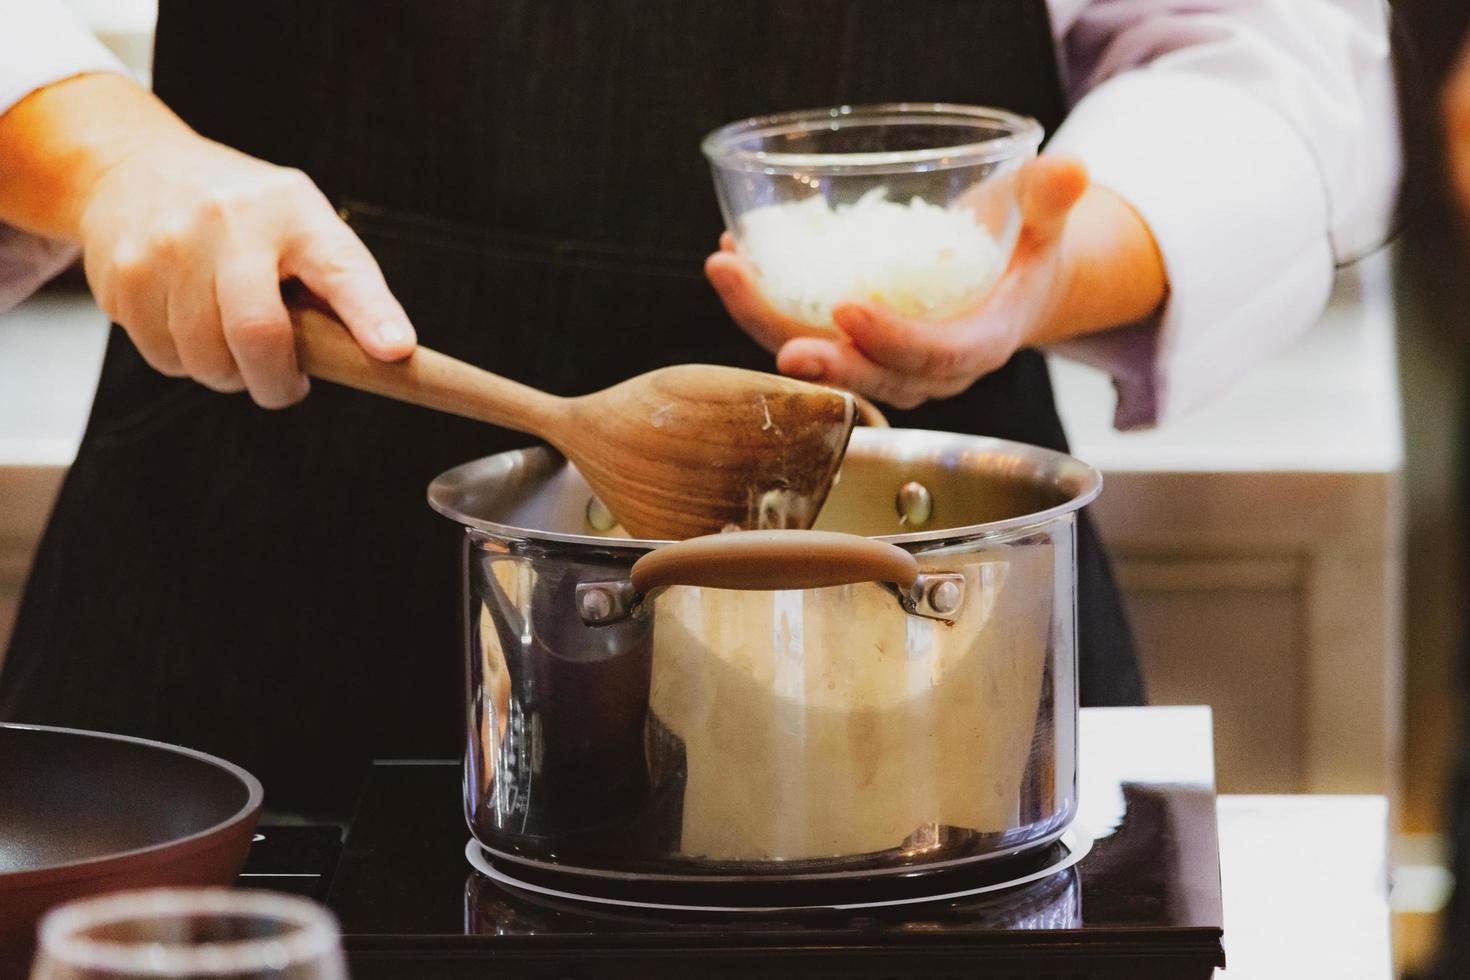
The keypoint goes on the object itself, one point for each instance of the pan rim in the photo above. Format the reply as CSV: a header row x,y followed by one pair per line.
x,y
51,874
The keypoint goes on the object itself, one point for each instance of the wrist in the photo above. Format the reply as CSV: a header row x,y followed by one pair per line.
x,y
1110,271
60,142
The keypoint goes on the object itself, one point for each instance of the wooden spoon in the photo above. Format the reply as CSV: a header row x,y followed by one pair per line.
x,y
674,453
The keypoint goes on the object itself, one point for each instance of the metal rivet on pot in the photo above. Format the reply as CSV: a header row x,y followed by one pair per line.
x,y
945,597
595,605
915,504
599,518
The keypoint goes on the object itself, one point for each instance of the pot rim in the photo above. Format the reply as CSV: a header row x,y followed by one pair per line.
x,y
446,491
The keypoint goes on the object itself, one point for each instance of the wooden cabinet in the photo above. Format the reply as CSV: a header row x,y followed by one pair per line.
x,y
1272,597
26,495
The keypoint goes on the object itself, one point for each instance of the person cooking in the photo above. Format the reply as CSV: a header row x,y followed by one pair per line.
x,y
518,183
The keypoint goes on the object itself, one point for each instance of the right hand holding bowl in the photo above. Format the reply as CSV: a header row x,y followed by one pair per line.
x,y
931,237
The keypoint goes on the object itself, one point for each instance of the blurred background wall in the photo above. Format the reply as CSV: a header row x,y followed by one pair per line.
x,y
1432,273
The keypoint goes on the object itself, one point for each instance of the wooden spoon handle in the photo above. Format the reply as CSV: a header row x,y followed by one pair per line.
x,y
426,377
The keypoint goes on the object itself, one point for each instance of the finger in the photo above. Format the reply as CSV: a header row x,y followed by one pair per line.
x,y
138,301
335,265
735,282
194,325
906,344
842,365
1047,189
258,329
727,242
200,338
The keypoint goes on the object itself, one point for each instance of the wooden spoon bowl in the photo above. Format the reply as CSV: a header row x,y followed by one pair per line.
x,y
674,453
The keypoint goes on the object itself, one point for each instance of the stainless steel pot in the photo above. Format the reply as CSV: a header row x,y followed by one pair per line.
x,y
896,693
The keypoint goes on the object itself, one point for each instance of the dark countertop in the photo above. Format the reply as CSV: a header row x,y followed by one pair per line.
x,y
1144,902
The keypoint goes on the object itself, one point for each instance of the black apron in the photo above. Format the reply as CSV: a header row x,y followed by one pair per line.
x,y
270,586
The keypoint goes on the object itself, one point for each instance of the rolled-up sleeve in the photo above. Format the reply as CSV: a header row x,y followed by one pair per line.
x,y
1259,141
41,42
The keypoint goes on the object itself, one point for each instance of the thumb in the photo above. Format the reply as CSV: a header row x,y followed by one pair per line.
x,y
1047,189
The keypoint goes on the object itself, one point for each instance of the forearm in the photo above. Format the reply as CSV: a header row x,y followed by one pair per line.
x,y
1110,270
59,141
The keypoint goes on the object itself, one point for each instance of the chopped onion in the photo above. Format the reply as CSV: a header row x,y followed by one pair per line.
x,y
918,258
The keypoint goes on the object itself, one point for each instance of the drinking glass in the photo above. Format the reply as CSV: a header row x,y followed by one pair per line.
x,y
171,933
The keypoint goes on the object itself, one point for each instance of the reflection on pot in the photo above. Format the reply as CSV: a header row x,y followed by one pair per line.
x,y
1051,903
824,722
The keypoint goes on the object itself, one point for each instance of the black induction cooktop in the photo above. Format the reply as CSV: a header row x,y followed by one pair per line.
x,y
1143,903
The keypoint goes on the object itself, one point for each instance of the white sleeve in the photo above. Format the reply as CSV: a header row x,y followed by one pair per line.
x,y
41,41
1259,140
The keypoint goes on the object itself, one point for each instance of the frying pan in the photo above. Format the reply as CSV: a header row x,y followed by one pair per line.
x,y
84,812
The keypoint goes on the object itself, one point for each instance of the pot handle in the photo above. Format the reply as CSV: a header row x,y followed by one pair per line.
x,y
868,413
774,560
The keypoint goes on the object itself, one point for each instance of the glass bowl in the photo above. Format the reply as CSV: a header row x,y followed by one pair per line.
x,y
910,204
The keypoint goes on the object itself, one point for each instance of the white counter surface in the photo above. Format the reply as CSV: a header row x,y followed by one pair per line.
x,y
50,354
1305,882
1304,878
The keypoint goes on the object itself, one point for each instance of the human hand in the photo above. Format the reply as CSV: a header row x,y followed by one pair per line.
x,y
185,244
1084,261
